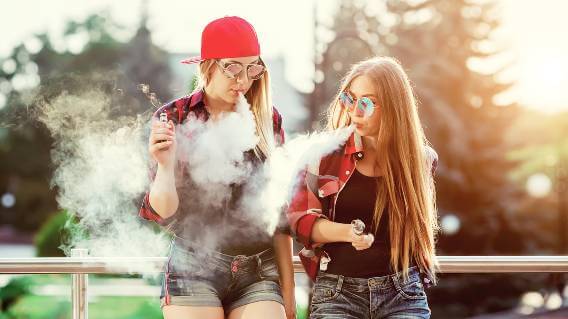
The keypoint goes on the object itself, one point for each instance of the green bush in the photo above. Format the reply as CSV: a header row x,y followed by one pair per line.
x,y
54,233
11,293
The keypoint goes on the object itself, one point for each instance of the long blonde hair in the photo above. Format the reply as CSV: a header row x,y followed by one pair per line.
x,y
260,100
407,189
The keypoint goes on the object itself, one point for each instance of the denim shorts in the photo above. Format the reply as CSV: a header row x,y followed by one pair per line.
x,y
391,296
207,278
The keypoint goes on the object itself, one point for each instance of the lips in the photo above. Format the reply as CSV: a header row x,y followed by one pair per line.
x,y
236,92
358,125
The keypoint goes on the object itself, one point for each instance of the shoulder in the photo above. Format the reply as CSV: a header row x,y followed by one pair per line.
x,y
172,108
276,118
277,128
178,108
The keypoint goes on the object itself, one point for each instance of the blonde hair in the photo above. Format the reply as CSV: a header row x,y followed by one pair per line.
x,y
407,189
260,100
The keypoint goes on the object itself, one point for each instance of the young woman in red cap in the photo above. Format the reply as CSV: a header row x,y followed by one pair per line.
x,y
366,212
243,277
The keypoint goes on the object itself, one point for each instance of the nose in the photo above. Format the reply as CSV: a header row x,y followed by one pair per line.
x,y
242,77
353,112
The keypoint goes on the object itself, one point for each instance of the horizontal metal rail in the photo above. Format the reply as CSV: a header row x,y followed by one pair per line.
x,y
114,265
79,267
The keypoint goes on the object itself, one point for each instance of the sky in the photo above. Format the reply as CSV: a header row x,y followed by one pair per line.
x,y
532,30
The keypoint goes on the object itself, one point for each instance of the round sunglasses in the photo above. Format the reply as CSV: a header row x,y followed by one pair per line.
x,y
233,70
361,107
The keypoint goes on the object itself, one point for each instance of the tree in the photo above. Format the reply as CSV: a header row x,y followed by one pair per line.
x,y
40,69
440,43
468,129
347,46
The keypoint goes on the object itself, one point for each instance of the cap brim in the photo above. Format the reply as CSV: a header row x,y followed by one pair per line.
x,y
192,60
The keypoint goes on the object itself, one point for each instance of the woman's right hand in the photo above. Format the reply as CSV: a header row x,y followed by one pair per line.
x,y
162,143
360,242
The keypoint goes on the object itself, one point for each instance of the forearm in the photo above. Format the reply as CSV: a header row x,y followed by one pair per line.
x,y
283,249
325,231
163,193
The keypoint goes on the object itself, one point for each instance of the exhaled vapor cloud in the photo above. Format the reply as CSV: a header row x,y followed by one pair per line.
x,y
213,151
101,170
102,166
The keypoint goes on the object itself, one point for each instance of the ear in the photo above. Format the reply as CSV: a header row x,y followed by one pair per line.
x,y
212,69
209,73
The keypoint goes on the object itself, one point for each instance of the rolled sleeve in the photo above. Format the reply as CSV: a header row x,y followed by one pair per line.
x,y
148,213
305,227
303,212
279,134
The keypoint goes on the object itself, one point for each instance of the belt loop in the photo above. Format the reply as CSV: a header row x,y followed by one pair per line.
x,y
339,282
259,267
258,262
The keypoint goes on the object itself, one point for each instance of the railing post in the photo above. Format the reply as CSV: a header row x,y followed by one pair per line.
x,y
79,301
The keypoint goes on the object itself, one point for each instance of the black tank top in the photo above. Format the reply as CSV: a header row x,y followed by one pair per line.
x,y
357,201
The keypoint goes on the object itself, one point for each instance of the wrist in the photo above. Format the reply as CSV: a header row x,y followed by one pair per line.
x,y
346,232
166,168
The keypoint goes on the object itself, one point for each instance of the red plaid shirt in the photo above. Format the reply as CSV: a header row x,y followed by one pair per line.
x,y
178,111
317,193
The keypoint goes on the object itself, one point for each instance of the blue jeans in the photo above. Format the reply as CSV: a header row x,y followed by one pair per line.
x,y
212,279
390,297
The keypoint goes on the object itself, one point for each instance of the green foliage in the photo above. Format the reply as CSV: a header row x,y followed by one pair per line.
x,y
146,310
48,239
39,307
193,83
25,144
439,43
55,234
12,292
540,144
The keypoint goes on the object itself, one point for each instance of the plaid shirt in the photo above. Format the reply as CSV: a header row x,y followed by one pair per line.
x,y
317,193
178,111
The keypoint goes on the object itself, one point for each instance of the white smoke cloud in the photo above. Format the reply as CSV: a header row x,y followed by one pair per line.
x,y
102,168
213,151
103,164
281,170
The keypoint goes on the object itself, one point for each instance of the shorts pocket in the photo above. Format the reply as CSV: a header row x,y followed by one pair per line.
x,y
410,290
326,289
268,270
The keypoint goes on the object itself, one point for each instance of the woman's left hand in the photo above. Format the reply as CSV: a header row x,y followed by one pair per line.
x,y
362,242
289,302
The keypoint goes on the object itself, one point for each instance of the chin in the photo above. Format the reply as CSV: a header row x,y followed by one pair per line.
x,y
361,131
232,99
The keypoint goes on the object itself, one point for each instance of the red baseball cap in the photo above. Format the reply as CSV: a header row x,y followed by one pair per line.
x,y
227,37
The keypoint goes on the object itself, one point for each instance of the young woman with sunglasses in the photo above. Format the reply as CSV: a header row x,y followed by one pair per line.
x,y
381,178
246,276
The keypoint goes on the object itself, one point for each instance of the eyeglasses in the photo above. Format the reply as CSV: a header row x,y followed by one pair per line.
x,y
233,70
362,107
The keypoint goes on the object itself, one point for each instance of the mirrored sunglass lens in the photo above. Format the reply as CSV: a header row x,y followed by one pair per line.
x,y
346,99
233,69
365,103
342,98
366,106
255,70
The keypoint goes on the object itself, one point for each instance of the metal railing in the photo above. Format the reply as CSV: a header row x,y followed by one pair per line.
x,y
79,267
